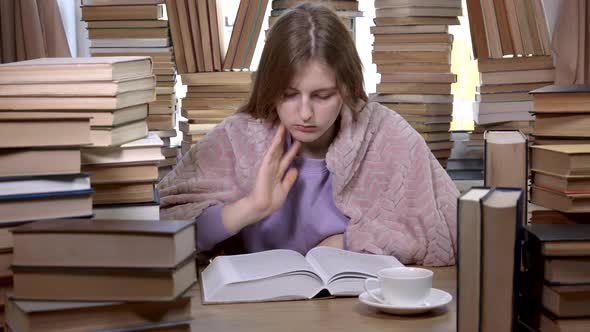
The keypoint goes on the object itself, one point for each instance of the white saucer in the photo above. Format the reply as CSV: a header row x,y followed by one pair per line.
x,y
436,299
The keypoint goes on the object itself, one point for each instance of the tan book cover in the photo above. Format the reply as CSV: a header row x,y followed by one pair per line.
x,y
115,136
564,184
133,12
218,78
564,160
415,20
50,70
418,11
104,284
562,99
501,146
409,77
132,243
414,88
570,203
562,125
97,33
30,162
129,24
122,173
515,63
26,130
143,150
421,109
121,100
78,89
44,208
517,77
58,316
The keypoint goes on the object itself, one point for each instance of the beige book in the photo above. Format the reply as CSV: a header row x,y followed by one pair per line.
x,y
206,113
417,3
504,88
50,70
412,47
333,4
117,284
123,193
137,152
503,97
421,109
195,128
564,160
171,161
164,133
218,78
115,136
500,245
409,77
382,57
415,20
227,105
427,119
501,146
437,38
169,151
552,199
430,127
161,109
442,145
122,173
136,12
412,98
59,316
31,162
413,29
107,118
127,24
414,88
436,137
161,121
127,33
515,63
221,88
564,184
562,125
442,154
469,260
562,99
76,103
130,42
41,208
25,130
418,11
132,243
413,67
517,77
81,88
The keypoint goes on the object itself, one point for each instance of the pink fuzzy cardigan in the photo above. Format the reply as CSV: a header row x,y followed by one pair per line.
x,y
399,199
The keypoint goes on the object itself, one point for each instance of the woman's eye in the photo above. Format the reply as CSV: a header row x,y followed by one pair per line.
x,y
324,97
289,95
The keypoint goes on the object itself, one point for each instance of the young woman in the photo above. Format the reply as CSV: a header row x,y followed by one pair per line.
x,y
308,161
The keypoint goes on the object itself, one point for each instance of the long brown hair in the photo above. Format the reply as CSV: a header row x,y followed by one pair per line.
x,y
305,32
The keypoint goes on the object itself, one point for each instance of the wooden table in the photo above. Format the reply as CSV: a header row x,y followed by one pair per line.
x,y
340,314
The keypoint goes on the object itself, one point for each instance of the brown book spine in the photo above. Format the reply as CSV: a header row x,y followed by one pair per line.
x,y
504,28
477,28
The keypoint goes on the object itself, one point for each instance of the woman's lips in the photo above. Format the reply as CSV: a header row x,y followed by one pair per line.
x,y
305,129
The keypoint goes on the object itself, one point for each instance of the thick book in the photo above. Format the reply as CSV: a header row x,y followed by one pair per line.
x,y
564,184
58,316
131,243
129,12
115,136
125,193
578,202
568,125
102,174
140,151
564,160
27,162
128,211
287,275
47,70
48,205
80,88
104,284
30,129
22,185
562,99
469,259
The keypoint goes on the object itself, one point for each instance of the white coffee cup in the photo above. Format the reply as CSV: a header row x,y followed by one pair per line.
x,y
401,285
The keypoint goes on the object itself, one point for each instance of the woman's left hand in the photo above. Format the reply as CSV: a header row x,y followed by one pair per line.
x,y
336,241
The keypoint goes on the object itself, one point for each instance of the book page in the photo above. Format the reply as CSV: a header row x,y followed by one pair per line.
x,y
261,265
333,264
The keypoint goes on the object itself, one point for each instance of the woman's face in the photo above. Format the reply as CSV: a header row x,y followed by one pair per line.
x,y
311,104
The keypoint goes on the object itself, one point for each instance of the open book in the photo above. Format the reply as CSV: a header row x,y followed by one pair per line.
x,y
287,275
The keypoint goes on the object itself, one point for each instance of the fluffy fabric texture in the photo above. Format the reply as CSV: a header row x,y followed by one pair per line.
x,y
399,199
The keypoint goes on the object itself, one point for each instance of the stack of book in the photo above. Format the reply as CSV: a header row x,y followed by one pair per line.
x,y
124,178
347,10
510,39
138,281
560,160
196,30
554,292
412,51
139,27
488,235
210,98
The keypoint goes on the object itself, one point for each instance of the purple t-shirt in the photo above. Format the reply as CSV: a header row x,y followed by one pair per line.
x,y
307,217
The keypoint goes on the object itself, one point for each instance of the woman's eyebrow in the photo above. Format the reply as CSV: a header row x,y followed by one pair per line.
x,y
329,89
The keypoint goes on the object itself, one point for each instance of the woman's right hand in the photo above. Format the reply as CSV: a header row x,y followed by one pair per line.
x,y
271,187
